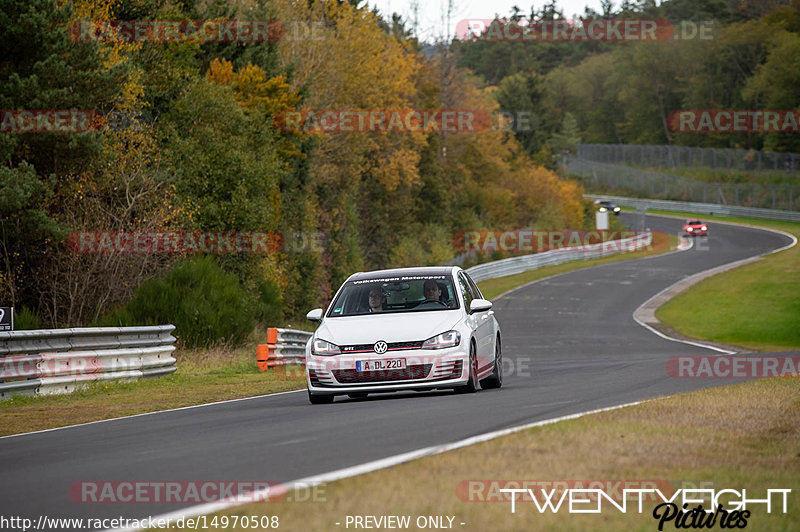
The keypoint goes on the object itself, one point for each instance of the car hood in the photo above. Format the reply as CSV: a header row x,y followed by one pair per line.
x,y
398,327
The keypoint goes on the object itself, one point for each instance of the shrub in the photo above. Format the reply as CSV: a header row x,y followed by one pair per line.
x,y
26,319
205,304
268,304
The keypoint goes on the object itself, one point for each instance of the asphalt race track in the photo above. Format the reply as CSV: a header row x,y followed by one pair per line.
x,y
570,343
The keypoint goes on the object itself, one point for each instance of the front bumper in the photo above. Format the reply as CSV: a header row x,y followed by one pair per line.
x,y
423,369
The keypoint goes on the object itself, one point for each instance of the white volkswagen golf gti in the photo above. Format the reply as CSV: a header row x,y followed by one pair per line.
x,y
404,329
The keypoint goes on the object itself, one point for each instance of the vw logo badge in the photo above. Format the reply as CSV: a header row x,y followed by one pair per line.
x,y
380,347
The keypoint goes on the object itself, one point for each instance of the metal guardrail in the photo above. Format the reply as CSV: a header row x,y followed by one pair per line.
x,y
700,208
284,346
501,268
44,362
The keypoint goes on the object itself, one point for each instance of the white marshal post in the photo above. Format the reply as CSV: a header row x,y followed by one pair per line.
x,y
601,219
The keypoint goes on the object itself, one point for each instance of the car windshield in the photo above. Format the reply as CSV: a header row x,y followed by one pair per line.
x,y
418,293
694,222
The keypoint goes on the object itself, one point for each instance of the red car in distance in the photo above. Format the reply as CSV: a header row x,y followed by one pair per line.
x,y
695,228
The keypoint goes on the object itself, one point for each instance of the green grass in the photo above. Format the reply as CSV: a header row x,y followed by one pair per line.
x,y
756,306
711,175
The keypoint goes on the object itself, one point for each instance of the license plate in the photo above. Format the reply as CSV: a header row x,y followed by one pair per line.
x,y
380,364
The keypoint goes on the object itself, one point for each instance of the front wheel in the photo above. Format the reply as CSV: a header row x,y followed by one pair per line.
x,y
320,399
472,383
495,380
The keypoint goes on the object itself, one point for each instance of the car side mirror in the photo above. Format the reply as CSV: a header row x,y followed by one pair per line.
x,y
479,305
314,315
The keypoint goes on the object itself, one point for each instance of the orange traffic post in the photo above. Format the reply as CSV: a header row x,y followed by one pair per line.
x,y
263,350
262,354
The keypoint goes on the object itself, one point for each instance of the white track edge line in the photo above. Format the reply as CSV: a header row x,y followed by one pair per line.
x,y
670,338
375,465
150,413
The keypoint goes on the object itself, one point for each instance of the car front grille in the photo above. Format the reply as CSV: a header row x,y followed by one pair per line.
x,y
369,348
413,372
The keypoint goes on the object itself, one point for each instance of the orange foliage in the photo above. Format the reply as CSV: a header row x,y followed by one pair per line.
x,y
252,89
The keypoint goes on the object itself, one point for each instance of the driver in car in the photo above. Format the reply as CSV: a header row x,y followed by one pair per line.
x,y
432,290
377,300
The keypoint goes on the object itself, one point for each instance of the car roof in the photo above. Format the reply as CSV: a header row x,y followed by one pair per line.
x,y
398,272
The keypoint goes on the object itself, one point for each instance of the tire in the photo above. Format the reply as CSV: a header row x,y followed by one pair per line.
x,y
495,380
357,395
320,399
472,383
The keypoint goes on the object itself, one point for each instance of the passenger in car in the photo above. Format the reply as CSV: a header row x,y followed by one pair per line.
x,y
377,300
432,290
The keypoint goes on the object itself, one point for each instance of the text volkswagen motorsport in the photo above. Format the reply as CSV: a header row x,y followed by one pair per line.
x,y
404,329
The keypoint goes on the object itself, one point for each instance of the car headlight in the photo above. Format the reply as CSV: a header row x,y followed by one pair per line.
x,y
616,209
602,209
323,348
443,341
689,229
704,228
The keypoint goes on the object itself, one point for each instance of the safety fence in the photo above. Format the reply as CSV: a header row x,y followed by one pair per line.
x,y
666,156
43,362
677,188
